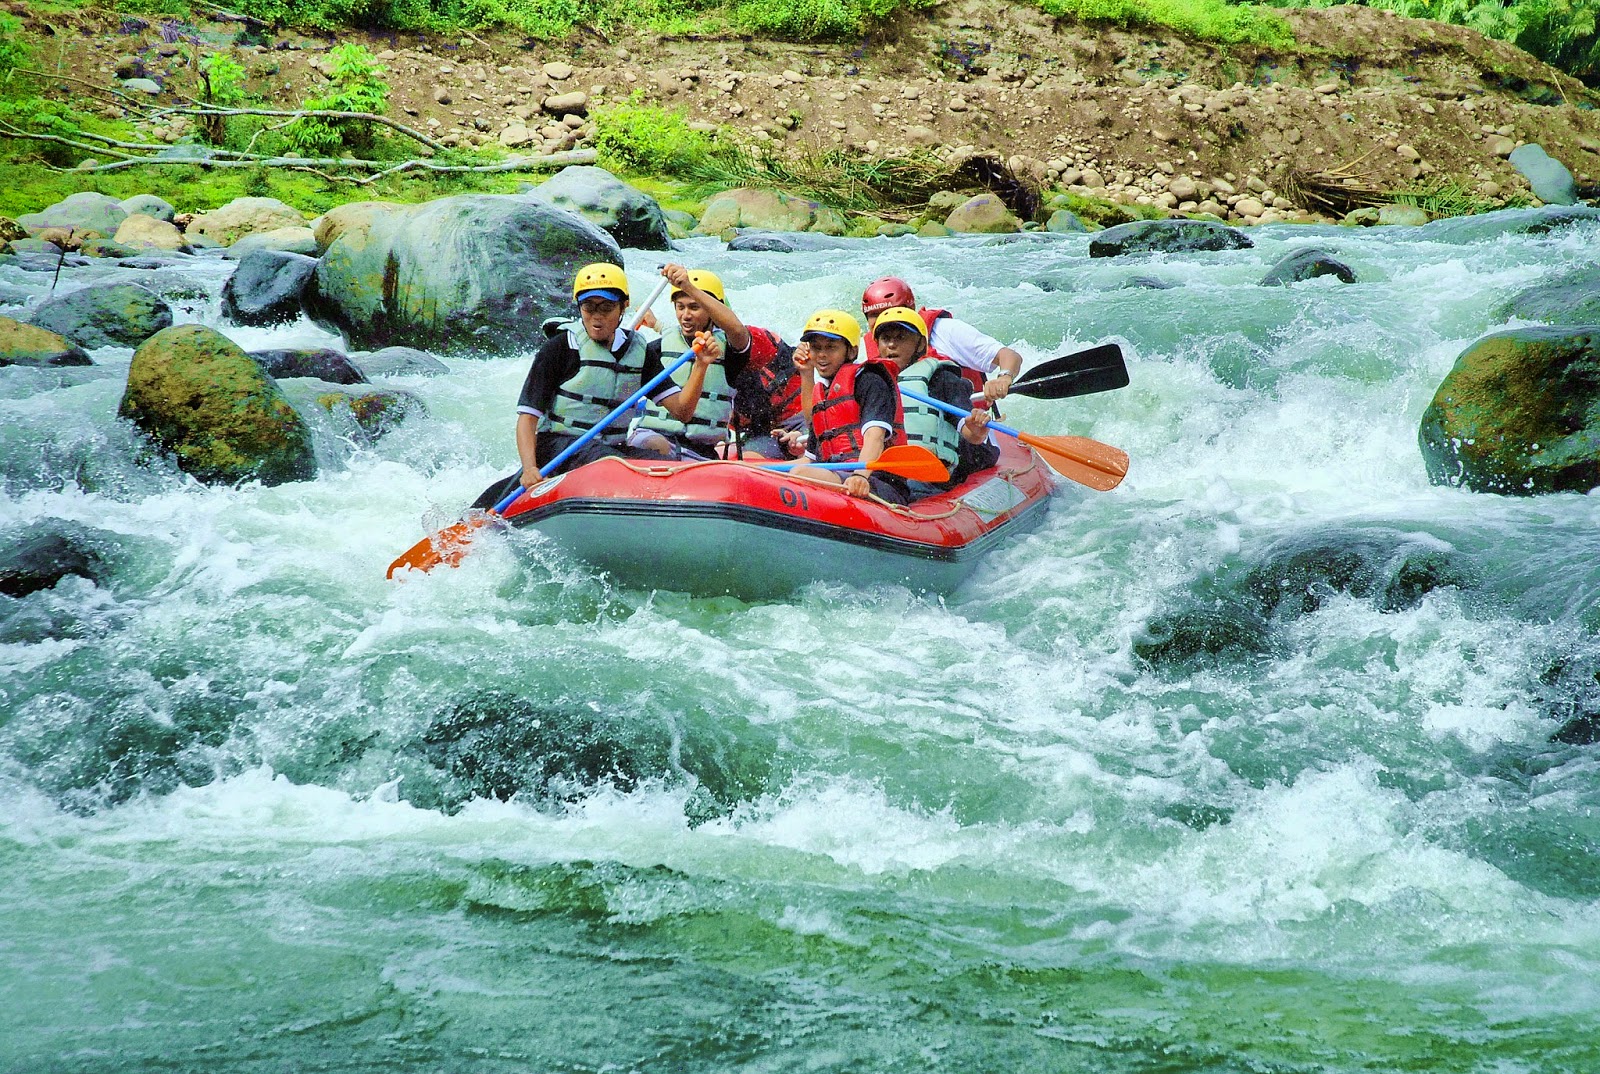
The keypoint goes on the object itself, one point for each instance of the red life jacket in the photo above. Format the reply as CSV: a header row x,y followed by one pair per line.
x,y
836,416
929,316
772,381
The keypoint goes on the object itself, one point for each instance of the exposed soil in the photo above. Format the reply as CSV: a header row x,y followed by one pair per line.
x,y
1134,116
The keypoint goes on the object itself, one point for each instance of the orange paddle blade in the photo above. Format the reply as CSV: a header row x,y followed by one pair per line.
x,y
912,462
445,548
1088,462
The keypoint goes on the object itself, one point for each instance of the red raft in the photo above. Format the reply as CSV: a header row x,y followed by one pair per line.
x,y
715,528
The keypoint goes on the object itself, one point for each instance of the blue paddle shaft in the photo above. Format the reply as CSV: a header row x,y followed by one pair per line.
x,y
785,468
548,468
956,412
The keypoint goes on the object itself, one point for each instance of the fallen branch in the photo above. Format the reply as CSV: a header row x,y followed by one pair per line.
x,y
314,165
134,102
8,131
306,113
232,16
515,164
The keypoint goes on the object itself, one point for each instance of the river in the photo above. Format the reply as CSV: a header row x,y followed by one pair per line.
x,y
1107,807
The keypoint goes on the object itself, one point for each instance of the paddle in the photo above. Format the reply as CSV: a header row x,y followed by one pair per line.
x,y
1088,462
449,545
1098,369
910,461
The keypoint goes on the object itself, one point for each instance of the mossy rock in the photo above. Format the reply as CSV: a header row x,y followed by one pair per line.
x,y
105,315
1569,298
1519,414
202,398
766,210
26,344
374,412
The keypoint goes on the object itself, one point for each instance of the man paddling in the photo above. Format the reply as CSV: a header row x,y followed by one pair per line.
x,y
585,370
993,367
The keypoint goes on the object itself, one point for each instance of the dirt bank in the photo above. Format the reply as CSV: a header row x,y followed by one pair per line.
x,y
1139,116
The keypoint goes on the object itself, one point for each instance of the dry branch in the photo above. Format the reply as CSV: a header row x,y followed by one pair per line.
x,y
304,113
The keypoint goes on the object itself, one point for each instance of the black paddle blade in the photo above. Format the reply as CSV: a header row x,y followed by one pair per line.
x,y
1098,369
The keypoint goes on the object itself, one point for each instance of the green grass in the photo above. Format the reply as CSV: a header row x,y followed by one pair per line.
x,y
1208,20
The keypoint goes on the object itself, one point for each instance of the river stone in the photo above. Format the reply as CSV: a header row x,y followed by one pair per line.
x,y
292,240
107,248
985,214
679,223
399,362
1167,236
10,229
1487,226
1569,298
1149,283
151,232
26,344
148,205
1065,222
83,211
322,363
473,274
788,242
374,412
1402,215
201,397
39,555
354,215
767,210
266,287
1518,414
631,216
105,315
35,247
244,216
1307,263
1552,183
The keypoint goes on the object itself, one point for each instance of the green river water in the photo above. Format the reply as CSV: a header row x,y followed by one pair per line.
x,y
1099,810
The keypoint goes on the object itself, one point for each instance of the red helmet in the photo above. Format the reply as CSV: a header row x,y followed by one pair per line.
x,y
882,294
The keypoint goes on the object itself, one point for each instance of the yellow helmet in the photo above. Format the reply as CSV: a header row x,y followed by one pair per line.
x,y
600,280
901,315
708,282
836,323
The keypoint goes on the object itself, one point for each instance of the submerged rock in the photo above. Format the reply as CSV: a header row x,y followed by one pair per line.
x,y
473,274
39,555
398,362
628,215
374,412
322,363
1569,298
26,344
105,315
1518,414
202,398
1307,263
1167,236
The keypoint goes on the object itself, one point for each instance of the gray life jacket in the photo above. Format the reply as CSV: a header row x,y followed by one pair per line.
x,y
711,413
925,425
604,380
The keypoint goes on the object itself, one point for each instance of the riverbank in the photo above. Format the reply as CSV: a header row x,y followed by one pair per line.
x,y
1366,105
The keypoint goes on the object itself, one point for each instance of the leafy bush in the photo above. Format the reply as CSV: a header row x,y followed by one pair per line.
x,y
221,84
356,86
1209,20
13,53
638,137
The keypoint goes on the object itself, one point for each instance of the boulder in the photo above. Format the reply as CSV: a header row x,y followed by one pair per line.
x,y
1402,215
1518,414
202,398
1167,236
266,287
142,231
105,315
768,210
10,229
319,362
679,223
399,362
1569,298
1552,183
1306,263
38,555
84,211
374,412
244,216
985,214
630,216
148,205
1485,227
354,215
107,248
25,344
787,242
1065,222
292,240
471,274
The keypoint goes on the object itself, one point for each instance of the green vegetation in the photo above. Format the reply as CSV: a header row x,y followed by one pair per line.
x,y
1208,20
13,53
1445,197
1563,33
636,137
356,86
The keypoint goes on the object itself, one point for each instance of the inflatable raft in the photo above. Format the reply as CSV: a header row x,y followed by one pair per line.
x,y
714,528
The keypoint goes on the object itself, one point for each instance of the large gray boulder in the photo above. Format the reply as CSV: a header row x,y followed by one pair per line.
x,y
1549,178
148,205
399,362
473,274
1307,263
84,211
202,398
38,555
630,216
985,214
767,210
319,362
1519,414
105,315
1568,298
1167,236
265,289
26,344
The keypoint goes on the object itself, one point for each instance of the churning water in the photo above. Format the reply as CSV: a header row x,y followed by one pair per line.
x,y
1245,766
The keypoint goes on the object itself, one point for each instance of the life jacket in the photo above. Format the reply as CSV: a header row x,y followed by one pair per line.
x,y
836,416
925,425
716,395
604,380
768,392
929,316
